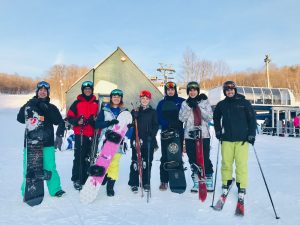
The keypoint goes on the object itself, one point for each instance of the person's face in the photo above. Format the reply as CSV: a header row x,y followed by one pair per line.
x,y
230,92
87,91
171,92
42,93
116,99
144,101
193,93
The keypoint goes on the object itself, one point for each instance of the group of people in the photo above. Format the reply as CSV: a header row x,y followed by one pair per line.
x,y
233,118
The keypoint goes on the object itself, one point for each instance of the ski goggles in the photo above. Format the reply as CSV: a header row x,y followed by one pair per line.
x,y
116,92
87,84
43,84
170,84
145,93
229,86
192,85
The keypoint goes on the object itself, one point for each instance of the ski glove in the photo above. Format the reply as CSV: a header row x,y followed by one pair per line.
x,y
91,120
219,135
192,103
112,122
251,139
130,125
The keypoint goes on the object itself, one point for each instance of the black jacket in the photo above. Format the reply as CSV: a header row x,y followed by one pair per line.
x,y
238,118
51,114
147,124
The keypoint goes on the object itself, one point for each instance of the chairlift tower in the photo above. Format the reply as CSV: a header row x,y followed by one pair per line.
x,y
166,71
267,60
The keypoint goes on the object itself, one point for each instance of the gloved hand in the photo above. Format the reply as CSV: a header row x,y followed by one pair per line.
x,y
79,121
192,103
251,139
201,97
91,120
130,125
113,122
219,135
135,114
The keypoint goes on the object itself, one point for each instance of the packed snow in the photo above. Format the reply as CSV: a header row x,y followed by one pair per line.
x,y
279,158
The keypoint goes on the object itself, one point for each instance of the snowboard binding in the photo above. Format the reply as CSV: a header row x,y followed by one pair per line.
x,y
113,136
196,133
41,175
173,165
96,171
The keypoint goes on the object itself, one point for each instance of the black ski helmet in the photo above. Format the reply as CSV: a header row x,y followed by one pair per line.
x,y
192,85
87,83
42,84
170,84
229,85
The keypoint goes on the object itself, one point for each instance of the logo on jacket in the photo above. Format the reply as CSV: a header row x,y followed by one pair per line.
x,y
173,148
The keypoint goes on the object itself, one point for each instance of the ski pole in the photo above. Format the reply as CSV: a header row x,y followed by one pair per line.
x,y
212,203
276,216
80,155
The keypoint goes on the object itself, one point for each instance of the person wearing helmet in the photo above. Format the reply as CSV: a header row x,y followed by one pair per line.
x,y
52,116
197,100
235,127
105,121
170,90
82,115
147,127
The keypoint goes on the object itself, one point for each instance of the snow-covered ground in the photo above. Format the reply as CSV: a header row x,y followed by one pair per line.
x,y
279,158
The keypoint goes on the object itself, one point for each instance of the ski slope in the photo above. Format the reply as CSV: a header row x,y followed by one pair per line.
x,y
279,158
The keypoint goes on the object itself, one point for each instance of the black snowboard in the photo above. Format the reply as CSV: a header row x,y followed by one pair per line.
x,y
35,175
170,140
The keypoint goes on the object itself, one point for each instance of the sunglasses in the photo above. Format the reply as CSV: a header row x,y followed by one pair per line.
x,y
43,84
87,84
117,92
170,84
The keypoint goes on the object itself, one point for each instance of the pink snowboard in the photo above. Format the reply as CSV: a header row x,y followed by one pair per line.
x,y
90,190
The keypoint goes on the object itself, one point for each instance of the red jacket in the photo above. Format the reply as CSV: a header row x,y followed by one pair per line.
x,y
82,107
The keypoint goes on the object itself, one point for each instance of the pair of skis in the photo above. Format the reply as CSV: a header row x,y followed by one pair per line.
x,y
239,211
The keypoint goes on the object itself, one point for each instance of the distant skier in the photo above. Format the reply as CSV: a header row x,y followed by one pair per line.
x,y
235,127
52,117
105,121
147,127
170,90
194,100
82,115
62,128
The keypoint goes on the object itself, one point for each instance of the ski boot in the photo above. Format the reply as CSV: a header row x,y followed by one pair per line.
x,y
209,182
146,187
196,183
240,210
77,185
60,193
134,189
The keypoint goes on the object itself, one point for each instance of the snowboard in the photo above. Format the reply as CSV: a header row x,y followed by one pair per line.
x,y
170,140
35,174
113,140
199,154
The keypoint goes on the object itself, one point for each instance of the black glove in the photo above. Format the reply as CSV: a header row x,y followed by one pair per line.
x,y
192,103
219,135
91,120
130,125
251,139
201,97
113,122
135,114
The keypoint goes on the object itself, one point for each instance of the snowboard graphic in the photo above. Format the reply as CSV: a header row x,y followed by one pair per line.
x,y
113,139
35,174
199,154
171,142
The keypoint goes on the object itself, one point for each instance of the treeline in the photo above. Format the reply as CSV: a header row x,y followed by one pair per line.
x,y
60,77
213,74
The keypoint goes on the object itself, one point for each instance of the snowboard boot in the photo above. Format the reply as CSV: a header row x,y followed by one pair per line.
x,y
196,183
60,193
110,187
209,182
77,185
134,189
163,186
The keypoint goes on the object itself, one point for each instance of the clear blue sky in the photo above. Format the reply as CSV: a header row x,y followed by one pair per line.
x,y
37,34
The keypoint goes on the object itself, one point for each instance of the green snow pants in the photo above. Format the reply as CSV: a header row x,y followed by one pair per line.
x,y
238,152
49,164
